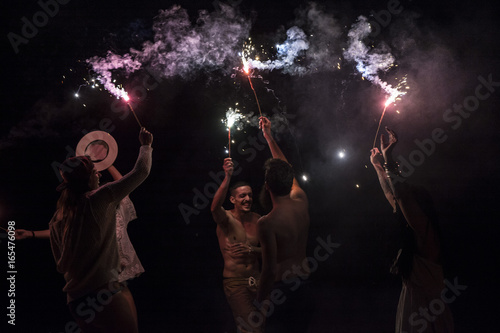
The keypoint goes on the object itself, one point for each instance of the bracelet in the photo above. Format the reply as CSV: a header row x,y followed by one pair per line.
x,y
33,233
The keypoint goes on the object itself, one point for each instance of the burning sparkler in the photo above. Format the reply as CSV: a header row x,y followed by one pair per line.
x,y
369,62
232,116
246,69
126,98
395,94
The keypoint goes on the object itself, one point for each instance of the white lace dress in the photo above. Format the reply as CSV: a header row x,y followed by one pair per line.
x,y
130,263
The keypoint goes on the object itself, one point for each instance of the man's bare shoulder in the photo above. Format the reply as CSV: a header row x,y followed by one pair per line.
x,y
264,226
298,194
265,221
255,217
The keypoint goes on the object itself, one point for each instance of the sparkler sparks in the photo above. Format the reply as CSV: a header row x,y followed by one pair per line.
x,y
232,116
246,69
395,94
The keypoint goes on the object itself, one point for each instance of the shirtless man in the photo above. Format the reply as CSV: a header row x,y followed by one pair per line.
x,y
283,237
237,235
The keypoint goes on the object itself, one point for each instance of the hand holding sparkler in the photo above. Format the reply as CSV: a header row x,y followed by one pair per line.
x,y
145,137
376,158
265,125
387,146
228,166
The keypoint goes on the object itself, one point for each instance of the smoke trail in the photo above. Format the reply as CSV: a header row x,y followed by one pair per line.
x,y
324,34
305,53
105,66
287,52
180,48
369,62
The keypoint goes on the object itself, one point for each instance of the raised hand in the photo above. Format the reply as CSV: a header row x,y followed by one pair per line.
x,y
387,146
376,158
228,166
145,137
265,125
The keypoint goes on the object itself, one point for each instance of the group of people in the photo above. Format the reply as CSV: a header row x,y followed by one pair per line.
x,y
265,297
265,290
263,286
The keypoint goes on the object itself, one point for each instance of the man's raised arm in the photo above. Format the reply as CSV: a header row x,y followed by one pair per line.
x,y
377,161
265,125
218,212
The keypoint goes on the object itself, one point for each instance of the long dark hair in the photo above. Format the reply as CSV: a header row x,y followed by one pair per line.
x,y
76,172
404,261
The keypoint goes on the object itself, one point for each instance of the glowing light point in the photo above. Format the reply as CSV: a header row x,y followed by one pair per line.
x,y
357,185
341,154
76,95
304,177
126,98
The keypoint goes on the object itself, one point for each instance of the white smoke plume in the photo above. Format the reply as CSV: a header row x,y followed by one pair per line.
x,y
180,48
369,62
287,52
304,52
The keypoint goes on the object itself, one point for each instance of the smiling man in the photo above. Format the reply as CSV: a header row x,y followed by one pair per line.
x,y
237,235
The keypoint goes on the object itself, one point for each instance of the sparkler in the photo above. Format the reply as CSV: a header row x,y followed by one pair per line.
x,y
246,69
126,98
395,94
232,115
380,122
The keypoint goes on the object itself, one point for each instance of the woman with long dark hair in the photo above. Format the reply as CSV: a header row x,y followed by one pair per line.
x,y
419,262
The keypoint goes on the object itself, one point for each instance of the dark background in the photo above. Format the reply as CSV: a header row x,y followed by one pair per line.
x,y
443,47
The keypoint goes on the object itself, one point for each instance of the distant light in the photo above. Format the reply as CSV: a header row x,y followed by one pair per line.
x,y
304,177
76,95
357,185
341,154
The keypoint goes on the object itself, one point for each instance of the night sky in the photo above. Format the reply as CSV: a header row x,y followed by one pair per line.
x,y
447,125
